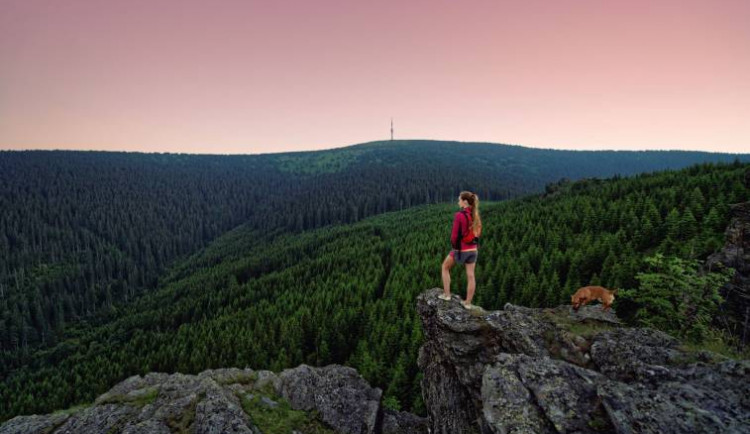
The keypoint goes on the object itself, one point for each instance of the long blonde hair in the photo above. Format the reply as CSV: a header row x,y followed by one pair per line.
x,y
476,221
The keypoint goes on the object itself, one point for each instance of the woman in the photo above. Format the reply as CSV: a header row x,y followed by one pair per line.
x,y
467,226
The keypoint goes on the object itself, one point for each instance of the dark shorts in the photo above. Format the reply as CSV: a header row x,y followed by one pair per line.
x,y
465,257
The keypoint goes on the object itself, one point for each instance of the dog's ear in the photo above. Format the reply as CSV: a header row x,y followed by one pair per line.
x,y
614,291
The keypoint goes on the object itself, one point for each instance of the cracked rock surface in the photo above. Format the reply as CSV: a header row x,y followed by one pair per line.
x,y
216,402
523,370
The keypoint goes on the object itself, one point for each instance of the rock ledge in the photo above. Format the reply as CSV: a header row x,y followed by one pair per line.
x,y
335,398
557,371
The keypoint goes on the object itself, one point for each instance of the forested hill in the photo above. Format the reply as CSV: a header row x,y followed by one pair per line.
x,y
345,293
82,231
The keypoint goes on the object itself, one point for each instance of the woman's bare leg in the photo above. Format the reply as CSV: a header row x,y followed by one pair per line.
x,y
448,263
470,282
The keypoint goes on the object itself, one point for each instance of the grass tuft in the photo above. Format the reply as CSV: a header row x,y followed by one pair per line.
x,y
282,418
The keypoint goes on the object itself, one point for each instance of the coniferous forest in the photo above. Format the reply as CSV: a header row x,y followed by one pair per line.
x,y
83,231
113,269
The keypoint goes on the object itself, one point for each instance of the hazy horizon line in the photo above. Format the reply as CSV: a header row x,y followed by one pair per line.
x,y
3,148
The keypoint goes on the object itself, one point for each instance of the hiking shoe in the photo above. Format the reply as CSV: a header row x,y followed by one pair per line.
x,y
469,306
444,297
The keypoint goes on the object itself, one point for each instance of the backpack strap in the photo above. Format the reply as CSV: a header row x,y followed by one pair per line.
x,y
459,241
457,247
468,219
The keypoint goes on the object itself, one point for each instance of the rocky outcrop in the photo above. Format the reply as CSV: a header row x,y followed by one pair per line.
x,y
333,398
524,370
341,397
736,254
516,370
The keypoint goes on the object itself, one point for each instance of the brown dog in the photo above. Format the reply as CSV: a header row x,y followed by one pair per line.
x,y
591,293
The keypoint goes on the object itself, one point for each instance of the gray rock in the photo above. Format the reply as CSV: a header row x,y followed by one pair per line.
x,y
460,343
130,385
268,402
451,404
527,370
155,403
639,409
149,426
97,419
220,412
635,354
507,404
176,409
401,422
210,402
521,393
341,397
736,254
230,375
268,380
33,424
585,313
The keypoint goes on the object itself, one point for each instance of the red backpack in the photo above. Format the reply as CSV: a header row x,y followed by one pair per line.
x,y
469,237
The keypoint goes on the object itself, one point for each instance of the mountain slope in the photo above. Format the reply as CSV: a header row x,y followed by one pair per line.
x,y
82,231
345,294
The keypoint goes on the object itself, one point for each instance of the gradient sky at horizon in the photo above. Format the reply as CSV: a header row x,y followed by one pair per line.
x,y
239,77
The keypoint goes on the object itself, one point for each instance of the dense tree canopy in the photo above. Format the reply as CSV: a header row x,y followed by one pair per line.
x,y
82,231
345,293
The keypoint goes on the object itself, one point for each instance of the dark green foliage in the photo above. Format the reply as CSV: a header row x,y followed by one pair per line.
x,y
674,296
281,419
346,293
83,231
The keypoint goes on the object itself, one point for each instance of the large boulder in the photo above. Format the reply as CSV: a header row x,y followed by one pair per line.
x,y
561,371
736,254
219,401
341,397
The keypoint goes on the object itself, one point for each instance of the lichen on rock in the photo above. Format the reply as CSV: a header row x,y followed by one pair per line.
x,y
558,371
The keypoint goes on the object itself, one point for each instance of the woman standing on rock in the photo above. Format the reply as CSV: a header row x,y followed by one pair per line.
x,y
467,226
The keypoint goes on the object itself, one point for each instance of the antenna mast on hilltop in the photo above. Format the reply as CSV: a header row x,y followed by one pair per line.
x,y
391,129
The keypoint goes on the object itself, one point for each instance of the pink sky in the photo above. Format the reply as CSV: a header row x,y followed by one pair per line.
x,y
245,76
